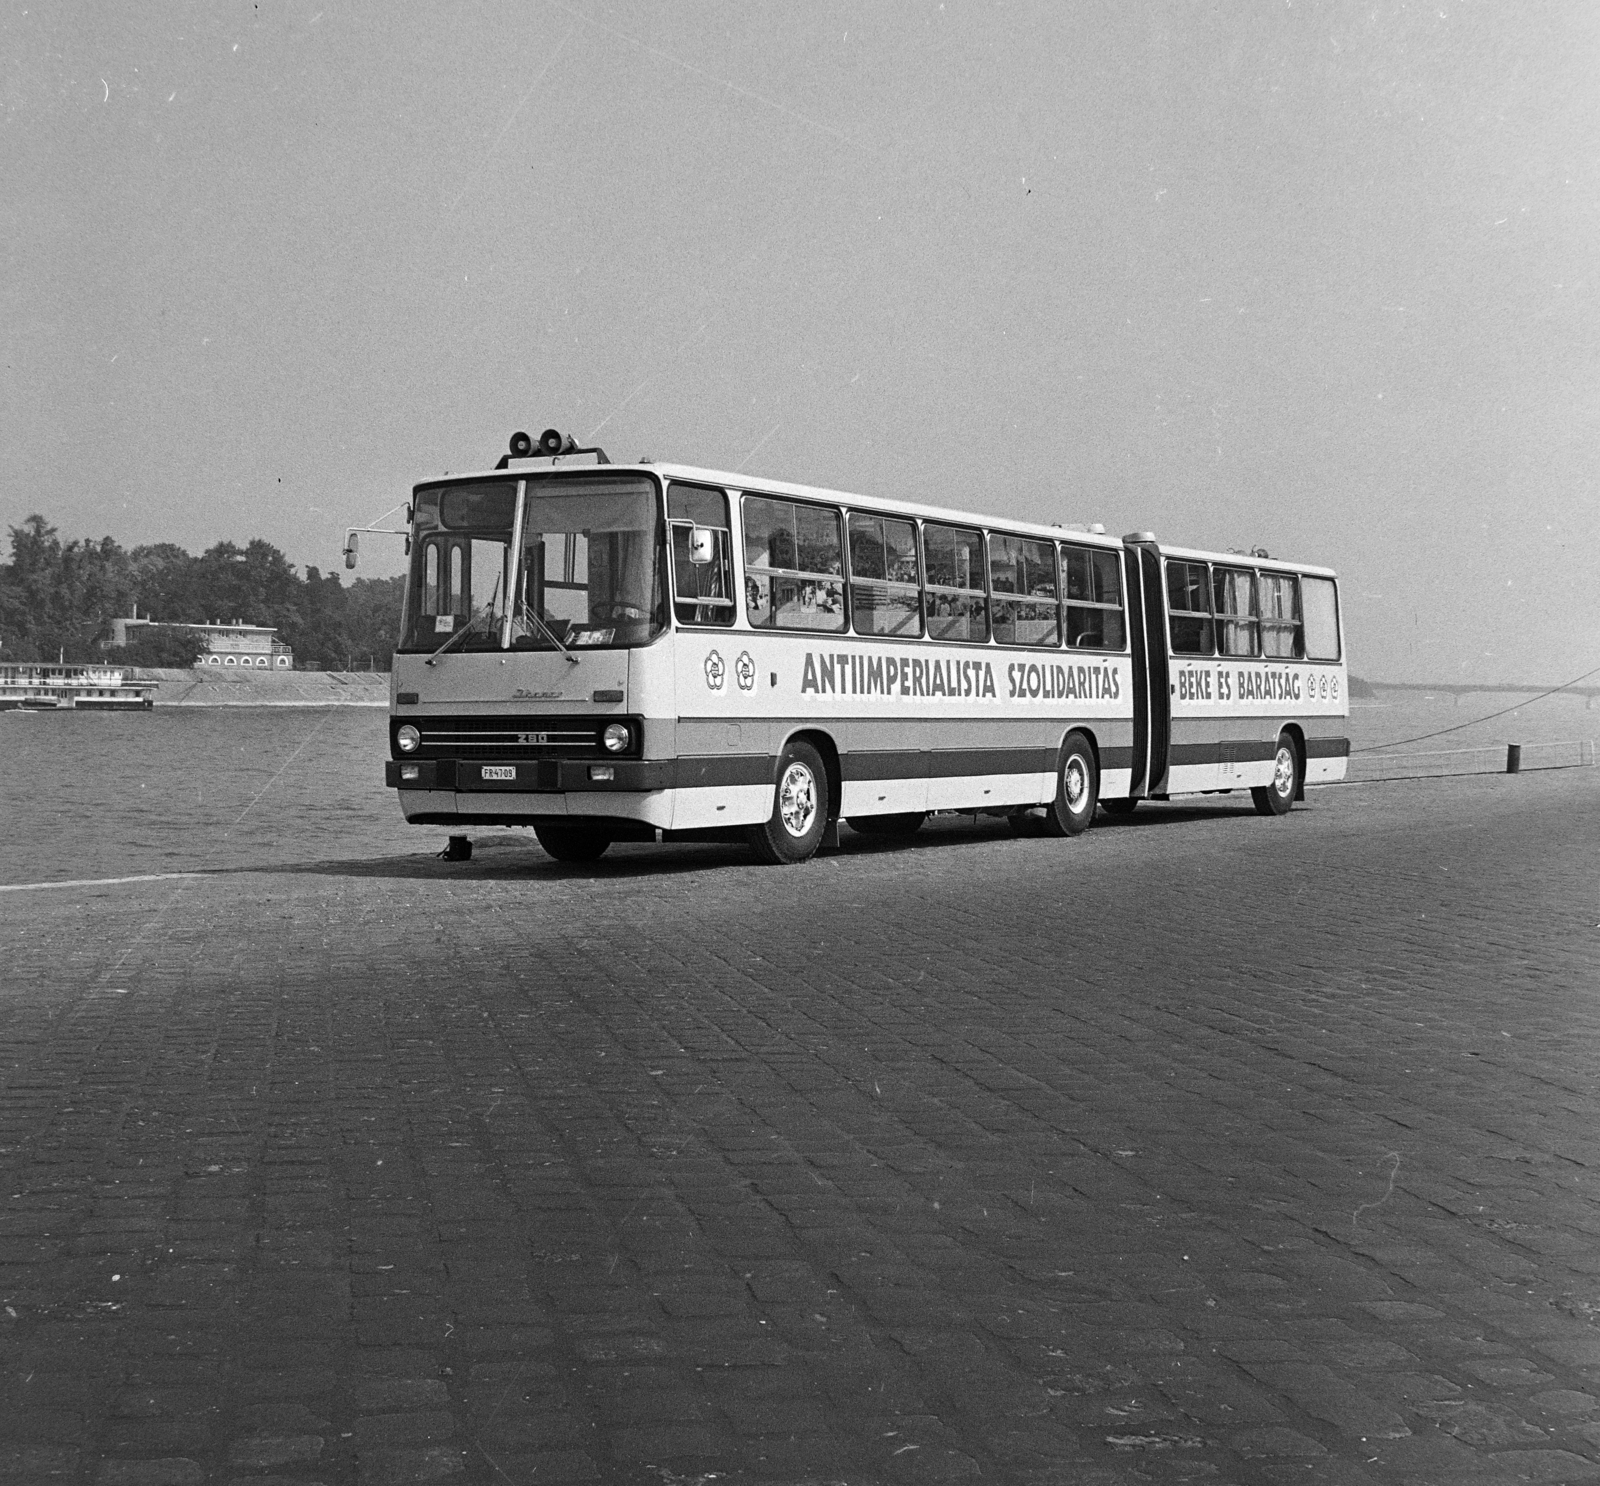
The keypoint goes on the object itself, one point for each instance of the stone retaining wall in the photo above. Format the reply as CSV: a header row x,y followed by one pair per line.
x,y
211,687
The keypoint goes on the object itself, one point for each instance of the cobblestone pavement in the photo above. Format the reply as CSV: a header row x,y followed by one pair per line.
x,y
1202,1148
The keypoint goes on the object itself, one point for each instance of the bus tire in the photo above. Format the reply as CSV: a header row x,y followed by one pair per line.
x,y
572,843
1077,786
906,824
1119,807
1278,797
799,812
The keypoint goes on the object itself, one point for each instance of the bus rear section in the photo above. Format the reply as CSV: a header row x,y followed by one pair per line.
x,y
1239,675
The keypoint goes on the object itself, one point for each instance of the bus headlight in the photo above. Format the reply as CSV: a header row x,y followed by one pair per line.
x,y
617,737
408,739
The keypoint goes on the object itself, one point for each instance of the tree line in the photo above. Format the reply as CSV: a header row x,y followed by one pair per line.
x,y
57,601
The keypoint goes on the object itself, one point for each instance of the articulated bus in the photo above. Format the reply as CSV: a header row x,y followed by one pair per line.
x,y
648,652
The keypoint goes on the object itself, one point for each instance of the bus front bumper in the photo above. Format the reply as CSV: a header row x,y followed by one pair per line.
x,y
524,776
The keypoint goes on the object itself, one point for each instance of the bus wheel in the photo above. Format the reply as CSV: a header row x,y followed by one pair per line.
x,y
1077,785
800,813
1277,797
1118,807
572,843
907,824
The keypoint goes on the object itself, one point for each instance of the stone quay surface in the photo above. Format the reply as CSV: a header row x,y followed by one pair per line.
x,y
1204,1147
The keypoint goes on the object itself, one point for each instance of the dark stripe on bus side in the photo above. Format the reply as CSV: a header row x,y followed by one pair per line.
x,y
1251,751
1229,751
720,770
954,763
946,763
910,763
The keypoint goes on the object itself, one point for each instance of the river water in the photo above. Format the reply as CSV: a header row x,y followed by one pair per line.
x,y
92,795
122,793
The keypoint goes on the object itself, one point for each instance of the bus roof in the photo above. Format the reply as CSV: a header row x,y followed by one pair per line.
x,y
1245,560
761,485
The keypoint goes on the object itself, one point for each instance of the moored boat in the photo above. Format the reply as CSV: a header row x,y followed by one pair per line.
x,y
34,687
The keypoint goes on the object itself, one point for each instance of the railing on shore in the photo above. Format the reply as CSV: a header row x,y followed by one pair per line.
x,y
1494,758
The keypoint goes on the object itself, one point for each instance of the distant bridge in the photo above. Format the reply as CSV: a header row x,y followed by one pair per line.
x,y
1459,689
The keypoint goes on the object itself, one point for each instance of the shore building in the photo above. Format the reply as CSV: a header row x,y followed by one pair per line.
x,y
238,644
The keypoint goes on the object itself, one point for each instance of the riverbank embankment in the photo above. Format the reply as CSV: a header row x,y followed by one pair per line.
x,y
214,687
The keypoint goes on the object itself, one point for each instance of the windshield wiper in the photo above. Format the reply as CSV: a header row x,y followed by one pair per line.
x,y
549,634
465,630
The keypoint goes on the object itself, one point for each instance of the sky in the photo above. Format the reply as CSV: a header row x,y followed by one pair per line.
x,y
1317,277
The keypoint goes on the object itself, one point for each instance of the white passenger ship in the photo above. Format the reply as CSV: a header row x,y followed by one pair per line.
x,y
33,687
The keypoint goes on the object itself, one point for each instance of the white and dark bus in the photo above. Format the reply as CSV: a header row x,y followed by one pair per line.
x,y
652,652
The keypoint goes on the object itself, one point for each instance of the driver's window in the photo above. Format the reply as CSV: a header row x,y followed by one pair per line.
x,y
702,591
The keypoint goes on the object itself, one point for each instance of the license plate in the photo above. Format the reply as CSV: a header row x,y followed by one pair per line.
x,y
499,771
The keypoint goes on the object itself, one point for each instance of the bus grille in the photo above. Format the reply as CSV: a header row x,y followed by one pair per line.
x,y
506,737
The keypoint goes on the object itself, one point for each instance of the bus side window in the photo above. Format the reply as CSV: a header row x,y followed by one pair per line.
x,y
430,578
1281,635
1238,621
460,579
885,598
1094,598
793,565
958,608
702,592
1022,578
1189,608
1320,600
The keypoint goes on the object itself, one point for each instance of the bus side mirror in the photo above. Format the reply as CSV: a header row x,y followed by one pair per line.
x,y
350,548
702,545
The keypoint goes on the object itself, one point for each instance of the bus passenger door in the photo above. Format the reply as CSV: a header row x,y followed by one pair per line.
x,y
1152,699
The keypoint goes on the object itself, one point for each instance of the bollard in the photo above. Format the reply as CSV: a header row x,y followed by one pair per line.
x,y
1513,758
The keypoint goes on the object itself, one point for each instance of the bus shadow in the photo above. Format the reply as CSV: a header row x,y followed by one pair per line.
x,y
518,861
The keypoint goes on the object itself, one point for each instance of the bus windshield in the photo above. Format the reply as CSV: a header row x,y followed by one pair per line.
x,y
587,573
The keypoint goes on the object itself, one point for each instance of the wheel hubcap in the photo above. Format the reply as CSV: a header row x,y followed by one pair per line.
x,y
797,799
1283,771
1076,784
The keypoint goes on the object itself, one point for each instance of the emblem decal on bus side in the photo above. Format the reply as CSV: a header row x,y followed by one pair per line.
x,y
744,671
716,671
